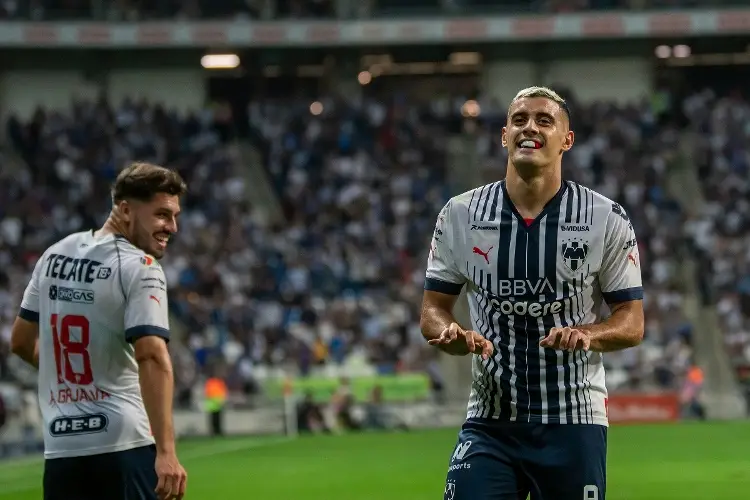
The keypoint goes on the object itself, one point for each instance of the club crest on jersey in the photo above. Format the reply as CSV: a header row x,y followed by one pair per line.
x,y
574,253
147,260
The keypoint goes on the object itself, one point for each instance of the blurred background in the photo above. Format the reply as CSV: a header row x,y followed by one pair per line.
x,y
320,138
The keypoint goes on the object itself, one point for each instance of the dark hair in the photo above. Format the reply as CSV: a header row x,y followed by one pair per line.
x,y
142,181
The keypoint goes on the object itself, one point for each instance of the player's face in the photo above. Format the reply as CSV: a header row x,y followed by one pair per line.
x,y
537,133
152,223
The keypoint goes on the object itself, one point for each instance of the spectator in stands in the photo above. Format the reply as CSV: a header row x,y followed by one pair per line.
x,y
310,417
691,393
378,416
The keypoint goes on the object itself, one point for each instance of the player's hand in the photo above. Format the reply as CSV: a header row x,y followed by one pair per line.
x,y
467,341
566,339
172,477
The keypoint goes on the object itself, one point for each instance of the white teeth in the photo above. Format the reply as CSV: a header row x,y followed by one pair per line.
x,y
528,144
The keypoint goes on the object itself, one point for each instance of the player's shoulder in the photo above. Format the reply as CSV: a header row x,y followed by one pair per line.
x,y
599,202
132,257
469,198
73,240
66,246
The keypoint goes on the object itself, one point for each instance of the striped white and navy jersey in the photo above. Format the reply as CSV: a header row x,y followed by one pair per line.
x,y
93,297
526,277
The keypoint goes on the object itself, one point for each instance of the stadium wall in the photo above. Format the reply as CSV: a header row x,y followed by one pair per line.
x,y
180,83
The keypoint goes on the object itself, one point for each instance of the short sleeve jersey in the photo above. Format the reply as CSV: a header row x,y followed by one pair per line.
x,y
93,297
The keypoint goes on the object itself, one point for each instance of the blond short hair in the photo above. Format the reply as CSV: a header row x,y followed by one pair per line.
x,y
544,92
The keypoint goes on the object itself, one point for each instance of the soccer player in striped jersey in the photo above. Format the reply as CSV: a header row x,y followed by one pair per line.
x,y
539,256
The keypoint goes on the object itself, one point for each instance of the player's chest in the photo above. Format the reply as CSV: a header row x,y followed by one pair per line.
x,y
512,250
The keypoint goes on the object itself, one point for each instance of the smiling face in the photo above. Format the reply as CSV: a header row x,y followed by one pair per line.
x,y
146,205
537,133
151,223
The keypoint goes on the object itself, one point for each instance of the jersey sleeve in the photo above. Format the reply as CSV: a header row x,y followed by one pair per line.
x,y
620,272
442,272
30,302
145,289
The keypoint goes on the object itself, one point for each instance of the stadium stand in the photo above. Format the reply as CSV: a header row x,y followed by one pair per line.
x,y
340,282
328,295
720,232
134,10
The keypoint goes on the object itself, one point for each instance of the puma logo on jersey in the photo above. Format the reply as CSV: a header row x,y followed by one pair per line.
x,y
152,297
631,258
484,254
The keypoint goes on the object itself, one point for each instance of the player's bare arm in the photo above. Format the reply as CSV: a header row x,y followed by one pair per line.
x,y
440,328
24,341
157,382
623,329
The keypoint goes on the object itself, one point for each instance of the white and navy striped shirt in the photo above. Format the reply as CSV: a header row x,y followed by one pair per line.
x,y
525,277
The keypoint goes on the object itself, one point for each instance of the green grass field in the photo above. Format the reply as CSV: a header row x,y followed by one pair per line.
x,y
667,462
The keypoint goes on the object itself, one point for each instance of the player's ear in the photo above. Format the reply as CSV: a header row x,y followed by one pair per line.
x,y
504,137
124,209
568,141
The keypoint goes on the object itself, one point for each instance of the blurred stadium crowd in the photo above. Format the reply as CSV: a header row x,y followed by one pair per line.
x,y
136,10
340,281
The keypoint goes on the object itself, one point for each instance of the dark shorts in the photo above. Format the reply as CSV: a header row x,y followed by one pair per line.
x,y
510,461
122,475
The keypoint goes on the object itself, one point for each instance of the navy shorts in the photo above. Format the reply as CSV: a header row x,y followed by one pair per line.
x,y
510,461
122,475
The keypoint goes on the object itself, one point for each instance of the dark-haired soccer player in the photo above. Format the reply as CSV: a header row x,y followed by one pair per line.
x,y
94,321
539,255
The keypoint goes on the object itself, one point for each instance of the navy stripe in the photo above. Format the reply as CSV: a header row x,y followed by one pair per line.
x,y
134,333
534,335
577,358
566,320
567,375
482,326
492,363
490,388
468,208
520,330
586,209
436,285
486,202
495,198
551,228
587,386
585,360
624,295
478,202
29,315
578,198
569,207
503,322
574,314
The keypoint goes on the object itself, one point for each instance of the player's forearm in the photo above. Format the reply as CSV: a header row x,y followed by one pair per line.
x,y
623,329
28,352
157,388
436,319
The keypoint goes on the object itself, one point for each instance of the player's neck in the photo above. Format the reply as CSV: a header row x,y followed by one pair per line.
x,y
531,193
112,226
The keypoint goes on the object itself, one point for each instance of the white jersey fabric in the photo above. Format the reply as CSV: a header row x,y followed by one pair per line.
x,y
526,277
93,297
